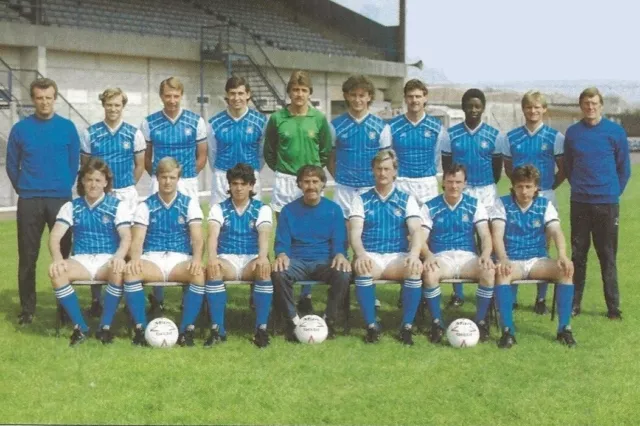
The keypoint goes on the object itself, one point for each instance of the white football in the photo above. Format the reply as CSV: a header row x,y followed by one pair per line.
x,y
161,333
463,333
311,329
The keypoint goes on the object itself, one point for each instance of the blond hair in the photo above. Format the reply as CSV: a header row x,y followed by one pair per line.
x,y
385,154
111,93
533,96
172,83
166,165
300,78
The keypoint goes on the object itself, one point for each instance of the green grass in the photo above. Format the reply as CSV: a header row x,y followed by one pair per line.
x,y
342,381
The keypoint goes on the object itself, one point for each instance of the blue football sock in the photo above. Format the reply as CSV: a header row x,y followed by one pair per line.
x,y
262,297
483,300
192,303
433,296
458,291
366,295
305,291
158,293
96,292
112,297
564,295
411,296
217,299
504,298
514,293
134,298
542,291
69,301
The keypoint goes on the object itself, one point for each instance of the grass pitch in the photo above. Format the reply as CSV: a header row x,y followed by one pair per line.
x,y
344,381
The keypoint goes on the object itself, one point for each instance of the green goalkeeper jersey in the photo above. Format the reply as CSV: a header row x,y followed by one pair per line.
x,y
292,141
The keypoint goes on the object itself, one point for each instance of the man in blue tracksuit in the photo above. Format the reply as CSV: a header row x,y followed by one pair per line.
x,y
597,164
43,154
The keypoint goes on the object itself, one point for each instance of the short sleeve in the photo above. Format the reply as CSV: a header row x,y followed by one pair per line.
x,y
194,212
139,142
427,221
445,142
357,207
123,215
265,216
481,213
558,145
215,214
332,131
65,214
550,214
144,128
385,137
500,141
141,216
413,209
85,142
505,147
497,211
201,131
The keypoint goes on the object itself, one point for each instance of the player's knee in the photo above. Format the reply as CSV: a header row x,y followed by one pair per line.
x,y
487,277
198,279
430,279
341,277
60,281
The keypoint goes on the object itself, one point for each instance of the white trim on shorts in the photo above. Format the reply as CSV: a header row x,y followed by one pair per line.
x,y
527,265
188,186
285,190
455,260
92,262
128,196
486,194
220,186
383,260
423,189
238,261
343,196
165,260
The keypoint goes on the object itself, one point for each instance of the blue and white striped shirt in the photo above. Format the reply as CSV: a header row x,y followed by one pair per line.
x,y
385,227
168,224
524,234
177,138
236,140
239,230
453,227
417,145
540,148
356,143
117,147
95,227
474,149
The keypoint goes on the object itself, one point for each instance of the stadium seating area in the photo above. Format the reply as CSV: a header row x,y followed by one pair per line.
x,y
9,14
275,27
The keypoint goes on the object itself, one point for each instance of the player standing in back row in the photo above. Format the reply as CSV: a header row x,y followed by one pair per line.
x,y
477,146
416,139
122,147
537,144
237,136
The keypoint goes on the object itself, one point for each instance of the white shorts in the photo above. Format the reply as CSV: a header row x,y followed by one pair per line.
x,y
128,195
92,262
285,190
487,194
455,260
383,260
238,261
220,186
188,186
165,260
526,265
423,189
343,196
550,195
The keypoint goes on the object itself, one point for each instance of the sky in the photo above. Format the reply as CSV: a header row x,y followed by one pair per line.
x,y
502,41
